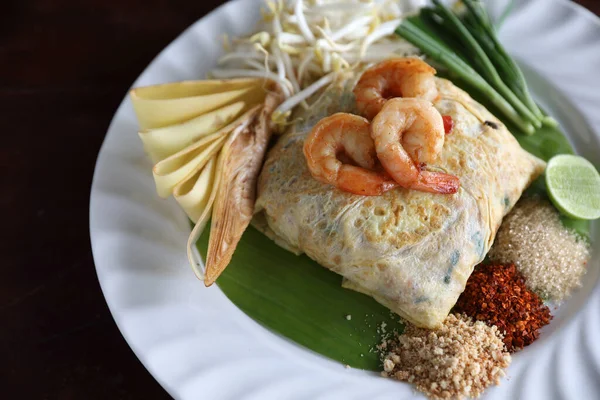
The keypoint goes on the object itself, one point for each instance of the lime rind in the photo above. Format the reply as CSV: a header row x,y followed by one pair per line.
x,y
574,186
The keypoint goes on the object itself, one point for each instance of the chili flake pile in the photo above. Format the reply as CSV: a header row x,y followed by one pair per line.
x,y
497,295
460,359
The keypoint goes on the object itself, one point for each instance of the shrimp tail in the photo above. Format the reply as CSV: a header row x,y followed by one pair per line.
x,y
436,182
366,183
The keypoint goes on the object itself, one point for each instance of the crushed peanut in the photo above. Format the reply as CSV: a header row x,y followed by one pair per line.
x,y
460,359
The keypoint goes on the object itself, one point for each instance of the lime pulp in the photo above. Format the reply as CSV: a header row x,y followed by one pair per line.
x,y
574,186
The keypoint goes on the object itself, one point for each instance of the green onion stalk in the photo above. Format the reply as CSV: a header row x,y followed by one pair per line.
x,y
445,37
456,65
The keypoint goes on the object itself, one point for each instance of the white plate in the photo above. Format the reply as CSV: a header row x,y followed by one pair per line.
x,y
197,344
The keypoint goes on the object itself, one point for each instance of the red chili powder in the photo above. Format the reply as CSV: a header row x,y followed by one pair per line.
x,y
448,124
497,295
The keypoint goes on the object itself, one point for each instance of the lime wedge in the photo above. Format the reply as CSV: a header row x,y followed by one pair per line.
x,y
574,186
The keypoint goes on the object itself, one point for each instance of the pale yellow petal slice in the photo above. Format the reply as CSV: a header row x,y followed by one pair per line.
x,y
160,113
161,143
201,222
170,171
177,90
159,106
193,193
205,216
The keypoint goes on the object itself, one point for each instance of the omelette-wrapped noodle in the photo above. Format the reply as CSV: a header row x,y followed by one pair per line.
x,y
410,250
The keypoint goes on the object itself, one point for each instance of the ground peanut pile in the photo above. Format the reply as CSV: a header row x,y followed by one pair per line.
x,y
551,257
460,359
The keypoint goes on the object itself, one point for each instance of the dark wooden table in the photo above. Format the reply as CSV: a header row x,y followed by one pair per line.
x,y
65,66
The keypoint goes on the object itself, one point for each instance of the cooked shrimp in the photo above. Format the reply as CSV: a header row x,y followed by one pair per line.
x,y
408,133
339,151
398,77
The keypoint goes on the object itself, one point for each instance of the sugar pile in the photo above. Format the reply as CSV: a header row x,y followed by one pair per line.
x,y
550,256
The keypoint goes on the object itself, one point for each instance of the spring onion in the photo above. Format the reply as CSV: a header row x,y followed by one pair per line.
x,y
467,45
482,28
482,60
442,54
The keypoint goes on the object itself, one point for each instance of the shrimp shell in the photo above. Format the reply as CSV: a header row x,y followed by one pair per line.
x,y
397,77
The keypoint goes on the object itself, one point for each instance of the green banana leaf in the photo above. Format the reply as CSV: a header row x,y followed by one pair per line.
x,y
297,298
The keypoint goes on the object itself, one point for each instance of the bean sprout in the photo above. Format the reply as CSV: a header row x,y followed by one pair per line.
x,y
303,44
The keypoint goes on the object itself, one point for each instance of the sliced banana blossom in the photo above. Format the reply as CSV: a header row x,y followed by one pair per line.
x,y
172,103
241,159
169,172
194,193
160,143
214,189
207,140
